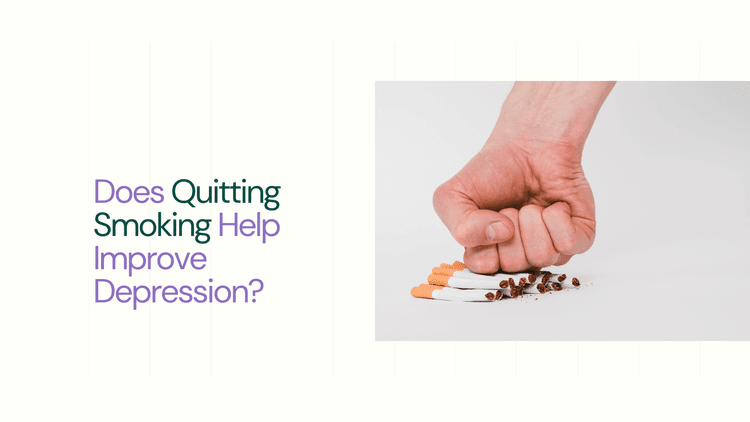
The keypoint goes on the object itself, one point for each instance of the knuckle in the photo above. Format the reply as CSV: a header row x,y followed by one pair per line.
x,y
462,236
530,208
538,255
511,213
565,245
484,266
548,212
543,260
439,194
513,264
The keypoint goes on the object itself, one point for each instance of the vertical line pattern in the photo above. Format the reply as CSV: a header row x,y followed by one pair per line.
x,y
333,209
211,206
88,202
394,359
272,243
455,79
394,79
150,284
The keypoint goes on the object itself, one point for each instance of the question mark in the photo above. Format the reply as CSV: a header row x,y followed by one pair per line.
x,y
256,291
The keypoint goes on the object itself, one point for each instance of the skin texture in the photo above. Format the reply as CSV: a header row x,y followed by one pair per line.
x,y
523,201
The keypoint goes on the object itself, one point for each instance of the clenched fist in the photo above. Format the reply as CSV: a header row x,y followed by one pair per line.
x,y
523,201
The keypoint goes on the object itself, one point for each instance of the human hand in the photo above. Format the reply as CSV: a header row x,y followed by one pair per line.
x,y
523,201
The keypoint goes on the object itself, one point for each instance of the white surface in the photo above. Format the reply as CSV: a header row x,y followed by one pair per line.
x,y
668,166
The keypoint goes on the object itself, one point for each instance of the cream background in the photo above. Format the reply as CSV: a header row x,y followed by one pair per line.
x,y
312,354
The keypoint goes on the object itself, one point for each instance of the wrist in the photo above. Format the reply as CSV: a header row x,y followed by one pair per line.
x,y
550,112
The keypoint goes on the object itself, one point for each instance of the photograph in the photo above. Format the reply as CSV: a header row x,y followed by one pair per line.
x,y
578,211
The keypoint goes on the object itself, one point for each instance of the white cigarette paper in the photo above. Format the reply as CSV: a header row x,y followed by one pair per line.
x,y
455,282
476,295
428,291
464,283
465,273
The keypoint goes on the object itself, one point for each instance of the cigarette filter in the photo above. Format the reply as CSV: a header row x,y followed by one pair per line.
x,y
428,291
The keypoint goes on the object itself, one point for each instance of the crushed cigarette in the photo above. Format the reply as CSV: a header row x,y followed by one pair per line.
x,y
428,291
455,282
463,283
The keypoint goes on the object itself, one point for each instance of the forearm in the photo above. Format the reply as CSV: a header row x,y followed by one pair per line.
x,y
551,111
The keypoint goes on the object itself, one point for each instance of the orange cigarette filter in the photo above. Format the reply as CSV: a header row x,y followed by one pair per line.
x,y
459,265
444,271
438,280
427,291
424,290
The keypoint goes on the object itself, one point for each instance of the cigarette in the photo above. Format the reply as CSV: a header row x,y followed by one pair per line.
x,y
500,293
533,288
446,270
550,286
507,292
463,283
428,291
551,277
568,284
461,273
513,291
543,288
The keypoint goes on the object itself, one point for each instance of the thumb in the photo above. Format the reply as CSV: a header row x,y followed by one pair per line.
x,y
469,225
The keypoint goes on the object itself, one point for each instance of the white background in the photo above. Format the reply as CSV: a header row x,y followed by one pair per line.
x,y
284,93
